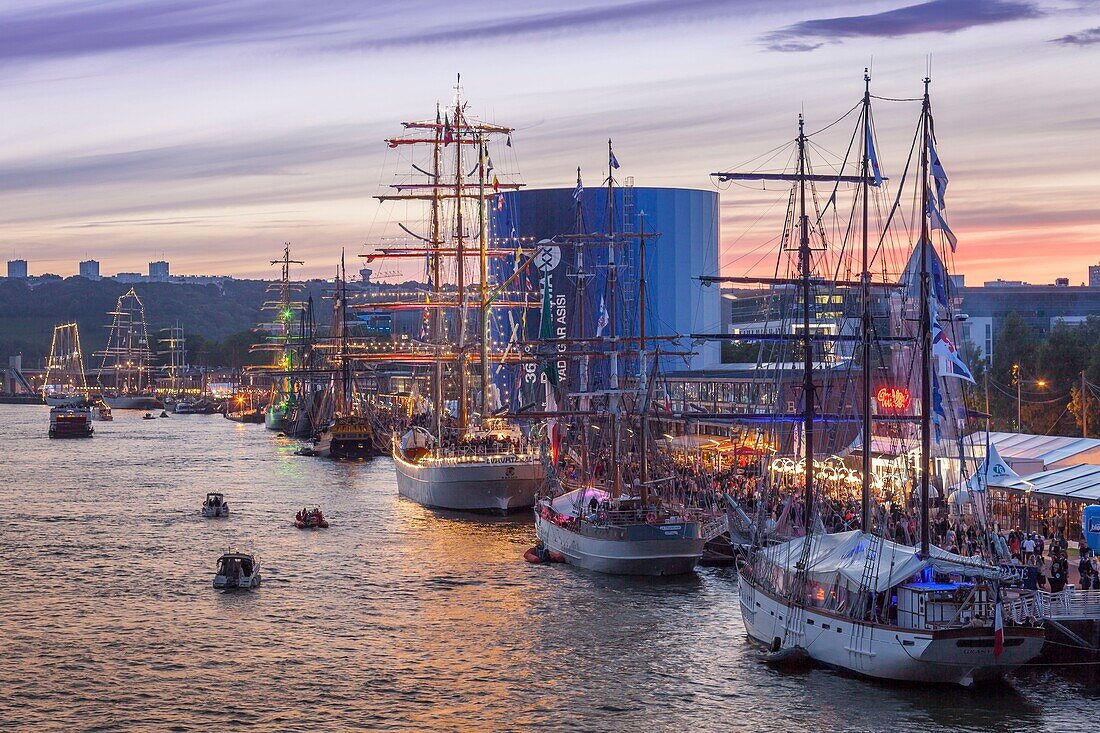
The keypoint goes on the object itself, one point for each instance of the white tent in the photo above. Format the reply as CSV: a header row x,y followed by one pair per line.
x,y
841,559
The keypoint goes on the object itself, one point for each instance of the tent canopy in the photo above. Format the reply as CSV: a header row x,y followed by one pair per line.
x,y
1073,483
842,557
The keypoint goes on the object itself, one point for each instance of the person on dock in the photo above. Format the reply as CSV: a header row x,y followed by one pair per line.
x,y
1059,570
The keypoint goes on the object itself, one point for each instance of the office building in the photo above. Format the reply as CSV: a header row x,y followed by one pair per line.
x,y
90,269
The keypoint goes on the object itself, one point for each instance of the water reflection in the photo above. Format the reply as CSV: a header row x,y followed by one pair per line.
x,y
397,617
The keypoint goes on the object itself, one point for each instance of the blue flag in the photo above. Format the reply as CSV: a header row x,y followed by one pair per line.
x,y
872,158
578,190
939,175
936,220
614,162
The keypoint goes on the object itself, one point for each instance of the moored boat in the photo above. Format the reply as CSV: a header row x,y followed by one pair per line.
x,y
619,536
501,477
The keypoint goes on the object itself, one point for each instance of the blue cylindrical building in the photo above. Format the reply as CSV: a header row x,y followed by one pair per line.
x,y
684,223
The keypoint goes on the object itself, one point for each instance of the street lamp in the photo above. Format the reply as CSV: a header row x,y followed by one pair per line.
x,y
1037,382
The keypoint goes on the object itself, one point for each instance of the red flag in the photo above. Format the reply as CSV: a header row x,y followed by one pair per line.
x,y
998,632
500,202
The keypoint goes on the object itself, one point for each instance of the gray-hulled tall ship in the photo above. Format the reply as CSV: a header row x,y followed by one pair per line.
x,y
604,506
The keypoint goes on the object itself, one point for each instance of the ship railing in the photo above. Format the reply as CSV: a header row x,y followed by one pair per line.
x,y
1071,604
453,455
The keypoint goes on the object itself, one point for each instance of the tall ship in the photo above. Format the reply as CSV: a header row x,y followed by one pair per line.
x,y
612,504
125,373
860,591
294,395
352,434
460,454
66,382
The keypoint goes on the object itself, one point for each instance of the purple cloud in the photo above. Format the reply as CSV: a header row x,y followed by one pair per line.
x,y
1087,37
284,154
935,16
82,27
640,13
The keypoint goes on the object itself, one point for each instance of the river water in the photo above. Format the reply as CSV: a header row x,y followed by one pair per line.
x,y
395,618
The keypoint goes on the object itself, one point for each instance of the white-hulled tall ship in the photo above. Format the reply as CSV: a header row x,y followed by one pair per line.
x,y
604,507
871,600
460,456
125,374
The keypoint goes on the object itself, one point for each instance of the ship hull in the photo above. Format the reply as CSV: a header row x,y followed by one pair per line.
x,y
275,419
954,656
134,402
672,549
495,488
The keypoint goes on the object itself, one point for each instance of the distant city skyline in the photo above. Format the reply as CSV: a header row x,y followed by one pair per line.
x,y
208,134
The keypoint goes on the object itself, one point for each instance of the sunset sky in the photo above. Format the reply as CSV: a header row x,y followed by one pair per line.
x,y
207,133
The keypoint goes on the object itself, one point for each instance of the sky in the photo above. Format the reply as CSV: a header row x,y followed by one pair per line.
x,y
208,132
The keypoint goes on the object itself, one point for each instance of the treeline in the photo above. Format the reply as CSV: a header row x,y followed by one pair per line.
x,y
1047,371
217,318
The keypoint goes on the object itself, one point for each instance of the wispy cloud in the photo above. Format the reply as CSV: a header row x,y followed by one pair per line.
x,y
935,16
82,27
1087,37
563,18
283,154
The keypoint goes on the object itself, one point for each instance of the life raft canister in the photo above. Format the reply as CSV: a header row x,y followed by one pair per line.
x,y
651,518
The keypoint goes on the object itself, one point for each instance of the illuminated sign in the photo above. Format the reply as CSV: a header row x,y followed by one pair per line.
x,y
893,399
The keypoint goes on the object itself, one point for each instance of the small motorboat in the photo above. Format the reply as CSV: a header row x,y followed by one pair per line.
x,y
215,506
148,416
310,518
305,449
237,570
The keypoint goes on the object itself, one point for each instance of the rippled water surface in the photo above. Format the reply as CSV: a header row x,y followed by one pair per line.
x,y
397,617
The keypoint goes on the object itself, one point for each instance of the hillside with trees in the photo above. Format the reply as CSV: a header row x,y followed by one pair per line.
x,y
218,319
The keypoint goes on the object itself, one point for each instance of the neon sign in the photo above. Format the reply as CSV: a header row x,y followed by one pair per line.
x,y
893,399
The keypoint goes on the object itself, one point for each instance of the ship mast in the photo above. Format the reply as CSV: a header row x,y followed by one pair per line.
x,y
483,261
807,338
865,295
642,379
925,331
460,263
345,366
582,278
612,325
435,245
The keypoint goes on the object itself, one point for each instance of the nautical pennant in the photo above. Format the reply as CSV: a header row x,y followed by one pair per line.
x,y
872,158
942,347
937,221
939,175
